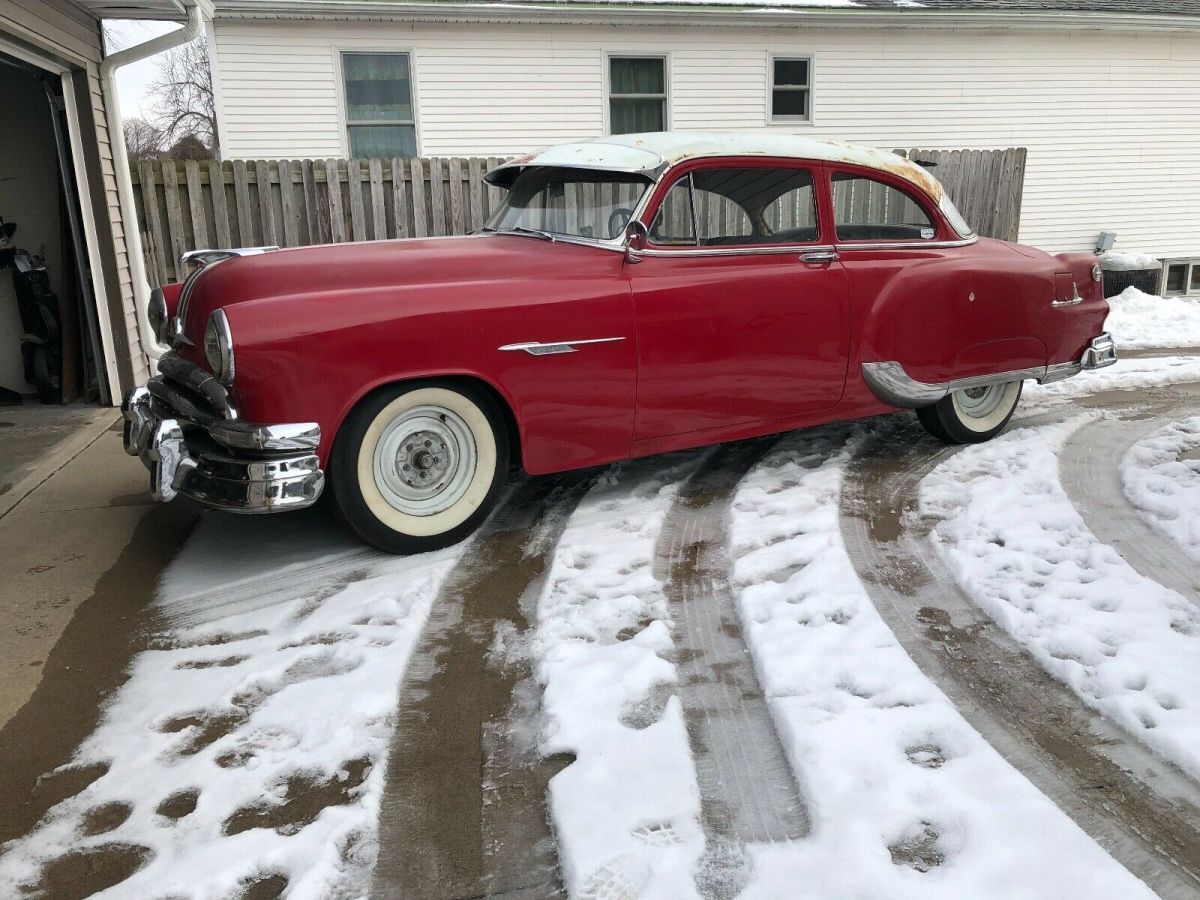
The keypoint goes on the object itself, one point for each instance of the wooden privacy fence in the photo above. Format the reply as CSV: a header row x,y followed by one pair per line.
x,y
985,185
187,204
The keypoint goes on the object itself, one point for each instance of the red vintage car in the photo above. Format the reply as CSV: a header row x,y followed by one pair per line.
x,y
630,296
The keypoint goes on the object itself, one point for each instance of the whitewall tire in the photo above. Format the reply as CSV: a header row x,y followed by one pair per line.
x,y
418,466
972,415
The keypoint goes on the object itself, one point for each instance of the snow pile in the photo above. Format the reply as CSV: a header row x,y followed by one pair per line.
x,y
249,742
1161,474
1140,320
1017,546
898,782
1114,261
626,810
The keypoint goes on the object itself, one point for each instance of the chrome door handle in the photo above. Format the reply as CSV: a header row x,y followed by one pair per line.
x,y
820,256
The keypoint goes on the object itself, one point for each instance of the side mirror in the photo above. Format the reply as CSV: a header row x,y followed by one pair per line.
x,y
636,237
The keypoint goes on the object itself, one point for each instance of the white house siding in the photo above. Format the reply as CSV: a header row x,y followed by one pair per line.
x,y
1108,117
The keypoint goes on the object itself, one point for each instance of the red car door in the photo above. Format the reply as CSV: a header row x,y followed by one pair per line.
x,y
741,305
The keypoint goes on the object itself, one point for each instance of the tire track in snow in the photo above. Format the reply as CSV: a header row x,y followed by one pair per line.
x,y
464,807
1142,810
748,792
1090,470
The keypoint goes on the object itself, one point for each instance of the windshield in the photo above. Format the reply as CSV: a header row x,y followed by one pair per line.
x,y
585,203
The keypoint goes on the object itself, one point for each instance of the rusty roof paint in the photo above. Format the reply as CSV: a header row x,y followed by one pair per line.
x,y
650,153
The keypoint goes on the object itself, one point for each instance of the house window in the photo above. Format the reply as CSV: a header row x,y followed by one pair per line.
x,y
791,89
379,108
1181,277
637,94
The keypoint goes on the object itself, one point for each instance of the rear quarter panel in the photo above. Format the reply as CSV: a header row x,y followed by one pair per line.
x,y
953,312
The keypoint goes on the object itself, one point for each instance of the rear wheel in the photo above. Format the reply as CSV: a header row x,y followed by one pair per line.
x,y
972,415
419,466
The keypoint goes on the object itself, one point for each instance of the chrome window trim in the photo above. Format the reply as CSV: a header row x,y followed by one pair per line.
x,y
768,250
909,245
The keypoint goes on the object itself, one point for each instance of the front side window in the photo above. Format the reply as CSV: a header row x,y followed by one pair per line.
x,y
791,89
739,207
584,203
637,94
869,210
379,108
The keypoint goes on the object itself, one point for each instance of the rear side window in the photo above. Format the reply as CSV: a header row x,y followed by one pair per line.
x,y
738,207
869,210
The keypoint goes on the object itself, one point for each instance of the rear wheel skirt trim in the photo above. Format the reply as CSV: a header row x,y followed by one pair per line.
x,y
890,383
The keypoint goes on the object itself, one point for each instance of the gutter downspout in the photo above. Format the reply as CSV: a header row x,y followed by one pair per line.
x,y
116,137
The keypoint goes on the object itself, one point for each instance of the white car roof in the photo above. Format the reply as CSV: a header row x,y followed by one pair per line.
x,y
651,152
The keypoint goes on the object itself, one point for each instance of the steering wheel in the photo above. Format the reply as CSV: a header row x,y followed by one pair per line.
x,y
619,219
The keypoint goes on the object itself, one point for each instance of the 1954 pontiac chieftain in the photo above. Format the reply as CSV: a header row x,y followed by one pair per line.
x,y
630,296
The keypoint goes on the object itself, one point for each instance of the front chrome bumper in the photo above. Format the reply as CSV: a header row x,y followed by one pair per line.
x,y
223,463
890,383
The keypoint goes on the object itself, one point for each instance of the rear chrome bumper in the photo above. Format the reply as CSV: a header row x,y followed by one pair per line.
x,y
222,463
890,383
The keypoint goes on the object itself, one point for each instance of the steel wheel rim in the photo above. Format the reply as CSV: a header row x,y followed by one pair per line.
x,y
425,460
980,402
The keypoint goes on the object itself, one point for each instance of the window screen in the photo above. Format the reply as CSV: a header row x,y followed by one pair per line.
x,y
637,94
869,210
379,109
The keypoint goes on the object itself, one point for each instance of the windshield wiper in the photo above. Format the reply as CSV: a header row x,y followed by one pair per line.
x,y
521,229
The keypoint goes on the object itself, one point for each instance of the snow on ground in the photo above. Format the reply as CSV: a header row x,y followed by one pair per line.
x,y
1124,375
266,704
1161,475
894,776
1128,646
626,811
1139,320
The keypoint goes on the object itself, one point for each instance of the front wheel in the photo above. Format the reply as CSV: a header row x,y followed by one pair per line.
x,y
418,466
972,415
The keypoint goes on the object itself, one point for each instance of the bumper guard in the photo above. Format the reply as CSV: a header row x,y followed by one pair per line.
x,y
285,474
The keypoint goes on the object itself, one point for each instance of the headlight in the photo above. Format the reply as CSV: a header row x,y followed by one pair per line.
x,y
157,313
218,347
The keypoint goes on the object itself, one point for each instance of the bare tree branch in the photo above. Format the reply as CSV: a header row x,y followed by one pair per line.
x,y
185,104
142,140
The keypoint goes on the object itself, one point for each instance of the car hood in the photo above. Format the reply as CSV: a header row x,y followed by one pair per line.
x,y
341,271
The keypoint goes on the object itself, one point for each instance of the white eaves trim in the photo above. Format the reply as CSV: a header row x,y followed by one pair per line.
x,y
723,12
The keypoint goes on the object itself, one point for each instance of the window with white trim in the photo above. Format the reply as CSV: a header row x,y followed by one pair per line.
x,y
790,98
379,107
637,94
1181,277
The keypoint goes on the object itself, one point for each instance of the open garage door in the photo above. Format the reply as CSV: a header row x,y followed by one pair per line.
x,y
50,344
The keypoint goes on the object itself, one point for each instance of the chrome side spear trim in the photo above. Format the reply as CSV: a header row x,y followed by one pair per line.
x,y
548,348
